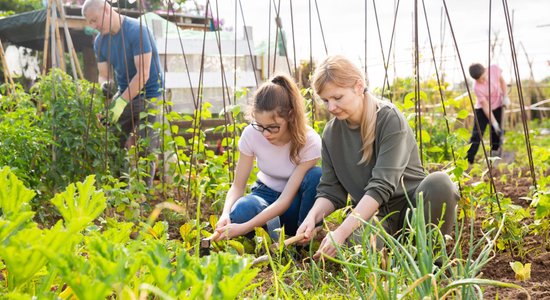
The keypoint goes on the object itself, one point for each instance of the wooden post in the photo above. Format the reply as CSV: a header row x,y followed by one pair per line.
x,y
53,40
7,74
46,39
75,65
60,45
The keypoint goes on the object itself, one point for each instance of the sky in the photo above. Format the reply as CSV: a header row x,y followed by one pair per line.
x,y
343,24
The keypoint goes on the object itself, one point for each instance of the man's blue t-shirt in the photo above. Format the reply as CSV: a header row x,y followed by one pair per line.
x,y
132,39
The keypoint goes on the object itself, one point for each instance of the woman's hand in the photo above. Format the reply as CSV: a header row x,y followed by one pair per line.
x,y
307,227
328,245
231,230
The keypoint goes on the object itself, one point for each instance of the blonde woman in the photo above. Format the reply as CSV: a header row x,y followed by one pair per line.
x,y
286,151
369,152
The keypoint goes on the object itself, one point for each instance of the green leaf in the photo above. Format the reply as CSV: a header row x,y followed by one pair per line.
x,y
29,250
14,196
79,209
435,149
213,220
523,272
185,231
408,101
463,133
237,246
543,206
463,114
426,138
174,129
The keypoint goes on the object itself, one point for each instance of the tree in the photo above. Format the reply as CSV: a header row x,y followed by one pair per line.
x,y
9,7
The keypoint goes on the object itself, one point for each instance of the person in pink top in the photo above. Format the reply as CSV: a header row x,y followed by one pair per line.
x,y
491,95
286,152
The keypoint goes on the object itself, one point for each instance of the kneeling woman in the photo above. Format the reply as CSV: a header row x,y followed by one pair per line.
x,y
370,153
286,151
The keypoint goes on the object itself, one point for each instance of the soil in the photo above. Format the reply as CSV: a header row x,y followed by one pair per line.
x,y
538,286
498,268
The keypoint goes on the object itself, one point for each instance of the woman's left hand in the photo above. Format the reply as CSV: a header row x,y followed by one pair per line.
x,y
328,245
231,230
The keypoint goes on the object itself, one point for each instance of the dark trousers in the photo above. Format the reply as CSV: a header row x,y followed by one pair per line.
x,y
134,117
440,196
477,136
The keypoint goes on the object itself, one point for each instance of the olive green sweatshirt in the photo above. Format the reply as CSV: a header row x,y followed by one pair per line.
x,y
395,156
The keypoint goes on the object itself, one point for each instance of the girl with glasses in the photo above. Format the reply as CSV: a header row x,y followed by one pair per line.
x,y
369,154
286,151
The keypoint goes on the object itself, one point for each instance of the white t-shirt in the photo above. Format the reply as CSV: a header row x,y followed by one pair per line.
x,y
274,161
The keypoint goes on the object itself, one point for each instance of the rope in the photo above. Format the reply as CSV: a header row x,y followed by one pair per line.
x,y
269,40
248,42
234,140
176,150
198,119
380,38
311,65
476,121
366,19
280,30
321,27
520,91
417,107
225,87
440,85
293,40
387,62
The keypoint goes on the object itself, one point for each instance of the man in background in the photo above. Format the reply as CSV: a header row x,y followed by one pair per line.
x,y
126,45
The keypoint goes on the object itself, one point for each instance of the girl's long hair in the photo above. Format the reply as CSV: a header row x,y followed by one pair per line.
x,y
280,95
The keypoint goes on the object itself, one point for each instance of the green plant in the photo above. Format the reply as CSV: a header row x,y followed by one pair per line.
x,y
24,144
96,258
81,145
418,265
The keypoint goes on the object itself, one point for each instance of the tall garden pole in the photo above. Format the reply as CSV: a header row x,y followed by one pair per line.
x,y
46,39
7,75
75,65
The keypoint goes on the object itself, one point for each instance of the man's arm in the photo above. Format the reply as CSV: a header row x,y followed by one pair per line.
x,y
143,65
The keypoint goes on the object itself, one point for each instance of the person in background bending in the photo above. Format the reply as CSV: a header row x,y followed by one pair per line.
x,y
490,90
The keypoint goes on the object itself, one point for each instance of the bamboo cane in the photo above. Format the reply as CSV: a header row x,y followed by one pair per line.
x,y
46,39
60,47
7,74
75,64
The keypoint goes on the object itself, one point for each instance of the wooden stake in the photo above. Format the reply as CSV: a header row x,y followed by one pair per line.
x,y
75,65
46,39
60,46
7,74
53,46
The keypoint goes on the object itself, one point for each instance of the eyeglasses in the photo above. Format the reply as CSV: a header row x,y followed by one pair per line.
x,y
270,129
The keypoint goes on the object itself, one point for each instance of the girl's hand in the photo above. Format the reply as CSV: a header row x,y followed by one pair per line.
x,y
231,230
328,245
224,220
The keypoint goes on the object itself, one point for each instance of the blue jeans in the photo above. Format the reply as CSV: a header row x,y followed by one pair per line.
x,y
249,206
